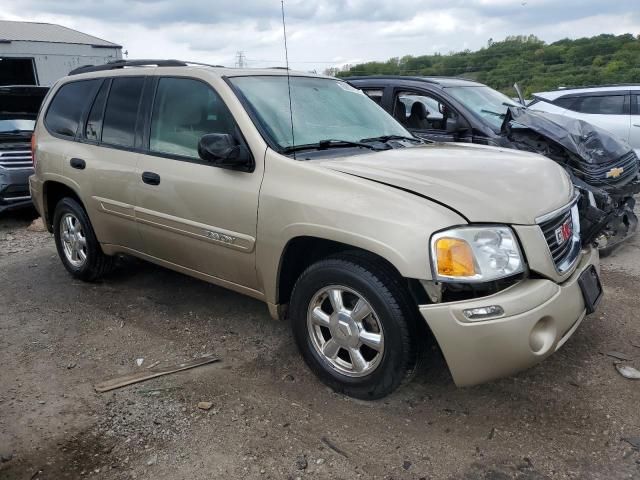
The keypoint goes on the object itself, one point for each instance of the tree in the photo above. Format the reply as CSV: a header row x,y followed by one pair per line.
x,y
526,59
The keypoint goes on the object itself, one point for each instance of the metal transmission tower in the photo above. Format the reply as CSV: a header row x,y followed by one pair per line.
x,y
241,60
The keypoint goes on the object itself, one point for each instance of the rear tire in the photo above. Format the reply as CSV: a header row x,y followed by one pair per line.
x,y
354,325
77,244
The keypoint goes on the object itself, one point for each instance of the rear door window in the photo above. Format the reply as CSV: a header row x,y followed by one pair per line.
x,y
602,105
70,101
121,113
93,129
374,94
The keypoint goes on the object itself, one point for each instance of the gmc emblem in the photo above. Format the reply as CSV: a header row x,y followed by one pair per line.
x,y
564,232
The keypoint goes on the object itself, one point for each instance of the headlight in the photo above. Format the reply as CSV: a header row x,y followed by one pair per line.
x,y
475,254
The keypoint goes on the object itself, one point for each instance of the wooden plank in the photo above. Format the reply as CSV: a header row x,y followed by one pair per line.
x,y
149,374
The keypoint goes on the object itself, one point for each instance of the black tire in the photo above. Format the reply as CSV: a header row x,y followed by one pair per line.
x,y
382,288
97,264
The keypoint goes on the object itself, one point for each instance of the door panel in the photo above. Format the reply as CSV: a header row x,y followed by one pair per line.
x,y
200,217
614,116
189,212
112,166
619,125
112,175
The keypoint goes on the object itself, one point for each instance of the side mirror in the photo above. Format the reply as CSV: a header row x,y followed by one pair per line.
x,y
456,124
223,150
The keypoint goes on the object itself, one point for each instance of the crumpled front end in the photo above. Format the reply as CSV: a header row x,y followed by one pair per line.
x,y
604,169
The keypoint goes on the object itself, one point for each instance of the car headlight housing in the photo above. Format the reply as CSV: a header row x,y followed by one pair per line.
x,y
475,254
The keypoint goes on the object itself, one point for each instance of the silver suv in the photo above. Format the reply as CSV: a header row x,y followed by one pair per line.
x,y
611,107
324,207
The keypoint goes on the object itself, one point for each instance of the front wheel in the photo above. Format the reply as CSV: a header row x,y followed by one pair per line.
x,y
353,324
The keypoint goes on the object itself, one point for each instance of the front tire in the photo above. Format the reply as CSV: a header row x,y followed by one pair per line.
x,y
353,324
77,244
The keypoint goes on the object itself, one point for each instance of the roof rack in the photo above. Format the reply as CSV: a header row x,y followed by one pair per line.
x,y
605,85
115,64
434,79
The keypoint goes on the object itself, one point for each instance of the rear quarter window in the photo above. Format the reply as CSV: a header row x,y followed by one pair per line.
x,y
70,101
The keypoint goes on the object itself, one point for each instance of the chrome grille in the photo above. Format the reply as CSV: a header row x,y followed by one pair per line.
x,y
561,231
16,158
613,173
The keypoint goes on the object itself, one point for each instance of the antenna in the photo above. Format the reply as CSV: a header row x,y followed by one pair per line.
x,y
286,57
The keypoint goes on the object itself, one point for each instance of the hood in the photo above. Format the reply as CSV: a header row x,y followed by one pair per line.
x,y
483,184
592,144
21,101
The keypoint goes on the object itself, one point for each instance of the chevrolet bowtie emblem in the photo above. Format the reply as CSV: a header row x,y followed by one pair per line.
x,y
615,172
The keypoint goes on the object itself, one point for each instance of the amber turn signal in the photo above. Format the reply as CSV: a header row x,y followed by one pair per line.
x,y
33,150
454,258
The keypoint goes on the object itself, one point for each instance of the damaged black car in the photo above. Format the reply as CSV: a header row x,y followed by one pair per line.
x,y
19,107
604,169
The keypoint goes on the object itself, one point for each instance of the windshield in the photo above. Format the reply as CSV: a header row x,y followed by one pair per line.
x,y
486,103
322,109
14,125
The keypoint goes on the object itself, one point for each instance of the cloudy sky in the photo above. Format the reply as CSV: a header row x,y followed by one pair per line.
x,y
322,33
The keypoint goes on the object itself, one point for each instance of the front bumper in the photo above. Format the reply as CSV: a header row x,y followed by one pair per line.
x,y
539,317
14,189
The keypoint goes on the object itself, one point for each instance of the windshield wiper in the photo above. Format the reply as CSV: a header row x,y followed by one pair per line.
x,y
386,138
331,143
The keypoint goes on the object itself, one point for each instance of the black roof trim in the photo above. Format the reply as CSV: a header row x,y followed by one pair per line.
x,y
604,85
434,80
127,63
115,64
389,77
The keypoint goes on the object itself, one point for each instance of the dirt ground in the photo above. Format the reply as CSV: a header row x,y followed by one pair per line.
x,y
566,418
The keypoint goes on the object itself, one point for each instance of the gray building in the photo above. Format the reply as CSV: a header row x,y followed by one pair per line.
x,y
41,53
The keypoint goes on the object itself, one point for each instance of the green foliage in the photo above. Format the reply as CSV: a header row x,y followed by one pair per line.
x,y
534,64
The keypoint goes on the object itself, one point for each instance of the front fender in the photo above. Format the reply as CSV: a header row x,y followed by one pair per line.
x,y
303,199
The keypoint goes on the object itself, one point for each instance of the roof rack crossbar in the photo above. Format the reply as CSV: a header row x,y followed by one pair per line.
x,y
115,64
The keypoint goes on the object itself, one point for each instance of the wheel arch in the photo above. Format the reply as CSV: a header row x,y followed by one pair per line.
x,y
52,192
302,251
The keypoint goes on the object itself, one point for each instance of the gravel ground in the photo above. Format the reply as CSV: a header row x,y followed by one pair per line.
x,y
270,418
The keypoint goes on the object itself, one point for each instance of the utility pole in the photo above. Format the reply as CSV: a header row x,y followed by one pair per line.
x,y
241,60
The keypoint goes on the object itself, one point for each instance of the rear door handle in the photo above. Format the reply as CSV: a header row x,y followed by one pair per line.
x,y
77,163
151,178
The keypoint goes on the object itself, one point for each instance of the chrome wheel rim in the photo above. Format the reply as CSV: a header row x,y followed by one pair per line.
x,y
345,331
74,241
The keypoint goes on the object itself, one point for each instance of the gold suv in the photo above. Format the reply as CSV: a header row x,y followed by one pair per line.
x,y
298,190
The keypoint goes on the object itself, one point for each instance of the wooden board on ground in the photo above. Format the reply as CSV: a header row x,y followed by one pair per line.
x,y
153,373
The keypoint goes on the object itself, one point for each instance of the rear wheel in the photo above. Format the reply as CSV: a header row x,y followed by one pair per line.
x,y
353,324
76,242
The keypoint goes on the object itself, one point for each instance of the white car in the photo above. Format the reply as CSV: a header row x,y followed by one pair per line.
x,y
613,107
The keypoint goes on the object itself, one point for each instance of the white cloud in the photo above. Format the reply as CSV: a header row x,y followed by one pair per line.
x,y
323,33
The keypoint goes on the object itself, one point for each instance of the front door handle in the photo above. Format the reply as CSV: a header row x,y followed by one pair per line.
x,y
77,163
151,178
636,124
